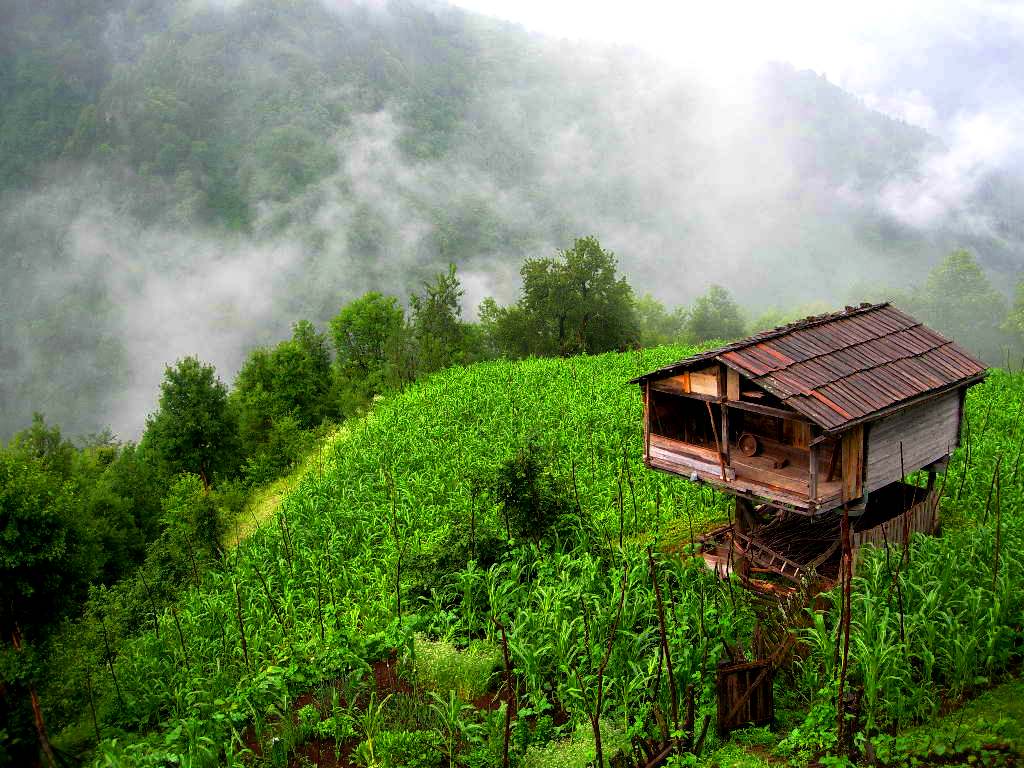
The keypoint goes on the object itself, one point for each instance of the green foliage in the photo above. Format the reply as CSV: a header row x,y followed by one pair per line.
x,y
47,446
292,158
658,326
573,303
39,540
958,300
369,342
469,672
315,593
438,333
194,429
715,315
281,449
410,749
281,390
190,515
531,500
1014,323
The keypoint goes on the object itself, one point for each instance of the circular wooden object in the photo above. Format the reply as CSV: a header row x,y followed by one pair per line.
x,y
749,445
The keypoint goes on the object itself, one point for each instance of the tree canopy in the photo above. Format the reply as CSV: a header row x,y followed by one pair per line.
x,y
571,303
958,300
193,430
438,333
369,338
292,379
715,315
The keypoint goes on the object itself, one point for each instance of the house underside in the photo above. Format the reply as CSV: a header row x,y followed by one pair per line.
x,y
790,549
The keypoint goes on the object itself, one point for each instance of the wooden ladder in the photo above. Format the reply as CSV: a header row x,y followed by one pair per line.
x,y
766,557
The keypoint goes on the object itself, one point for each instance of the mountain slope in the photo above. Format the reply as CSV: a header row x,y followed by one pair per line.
x,y
192,177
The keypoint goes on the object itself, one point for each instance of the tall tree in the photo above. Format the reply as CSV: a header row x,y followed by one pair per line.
x,y
438,332
657,325
715,315
1014,324
44,566
958,300
193,430
369,342
291,380
572,303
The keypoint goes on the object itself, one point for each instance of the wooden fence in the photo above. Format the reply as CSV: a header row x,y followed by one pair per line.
x,y
745,695
922,517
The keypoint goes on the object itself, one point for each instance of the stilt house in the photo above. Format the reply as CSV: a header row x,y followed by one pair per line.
x,y
827,412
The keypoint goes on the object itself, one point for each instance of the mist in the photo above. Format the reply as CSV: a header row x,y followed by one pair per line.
x,y
769,180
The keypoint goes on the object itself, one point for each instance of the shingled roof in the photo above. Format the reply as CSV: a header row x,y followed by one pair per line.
x,y
847,367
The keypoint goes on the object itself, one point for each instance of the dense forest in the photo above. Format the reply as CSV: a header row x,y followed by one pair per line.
x,y
190,177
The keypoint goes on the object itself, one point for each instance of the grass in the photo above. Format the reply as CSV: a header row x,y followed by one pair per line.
x,y
440,666
264,502
996,716
577,751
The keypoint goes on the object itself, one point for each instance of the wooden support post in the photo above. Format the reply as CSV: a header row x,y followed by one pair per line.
x,y
647,421
725,434
812,484
718,442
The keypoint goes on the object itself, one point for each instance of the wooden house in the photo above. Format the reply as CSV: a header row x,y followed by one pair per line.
x,y
824,413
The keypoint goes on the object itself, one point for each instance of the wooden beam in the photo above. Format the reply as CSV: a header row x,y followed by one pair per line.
x,y
768,410
732,384
853,464
718,442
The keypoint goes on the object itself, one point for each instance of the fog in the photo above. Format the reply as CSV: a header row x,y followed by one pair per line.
x,y
732,170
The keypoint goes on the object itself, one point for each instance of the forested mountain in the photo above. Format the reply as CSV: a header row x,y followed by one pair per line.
x,y
192,176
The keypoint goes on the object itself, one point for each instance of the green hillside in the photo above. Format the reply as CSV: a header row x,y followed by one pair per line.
x,y
360,623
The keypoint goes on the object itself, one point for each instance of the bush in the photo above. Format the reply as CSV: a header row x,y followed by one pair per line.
x,y
531,500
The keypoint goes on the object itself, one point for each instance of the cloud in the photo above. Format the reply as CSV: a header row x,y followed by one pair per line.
x,y
175,288
948,179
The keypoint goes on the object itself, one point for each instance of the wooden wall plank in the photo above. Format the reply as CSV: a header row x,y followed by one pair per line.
x,y
927,431
853,463
732,384
706,382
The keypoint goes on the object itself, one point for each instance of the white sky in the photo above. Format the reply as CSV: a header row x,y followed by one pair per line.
x,y
852,43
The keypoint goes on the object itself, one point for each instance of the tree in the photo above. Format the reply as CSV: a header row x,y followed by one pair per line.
x,y
958,300
438,332
505,331
369,338
531,500
571,304
658,326
190,516
55,454
715,316
1014,324
43,569
291,380
193,430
